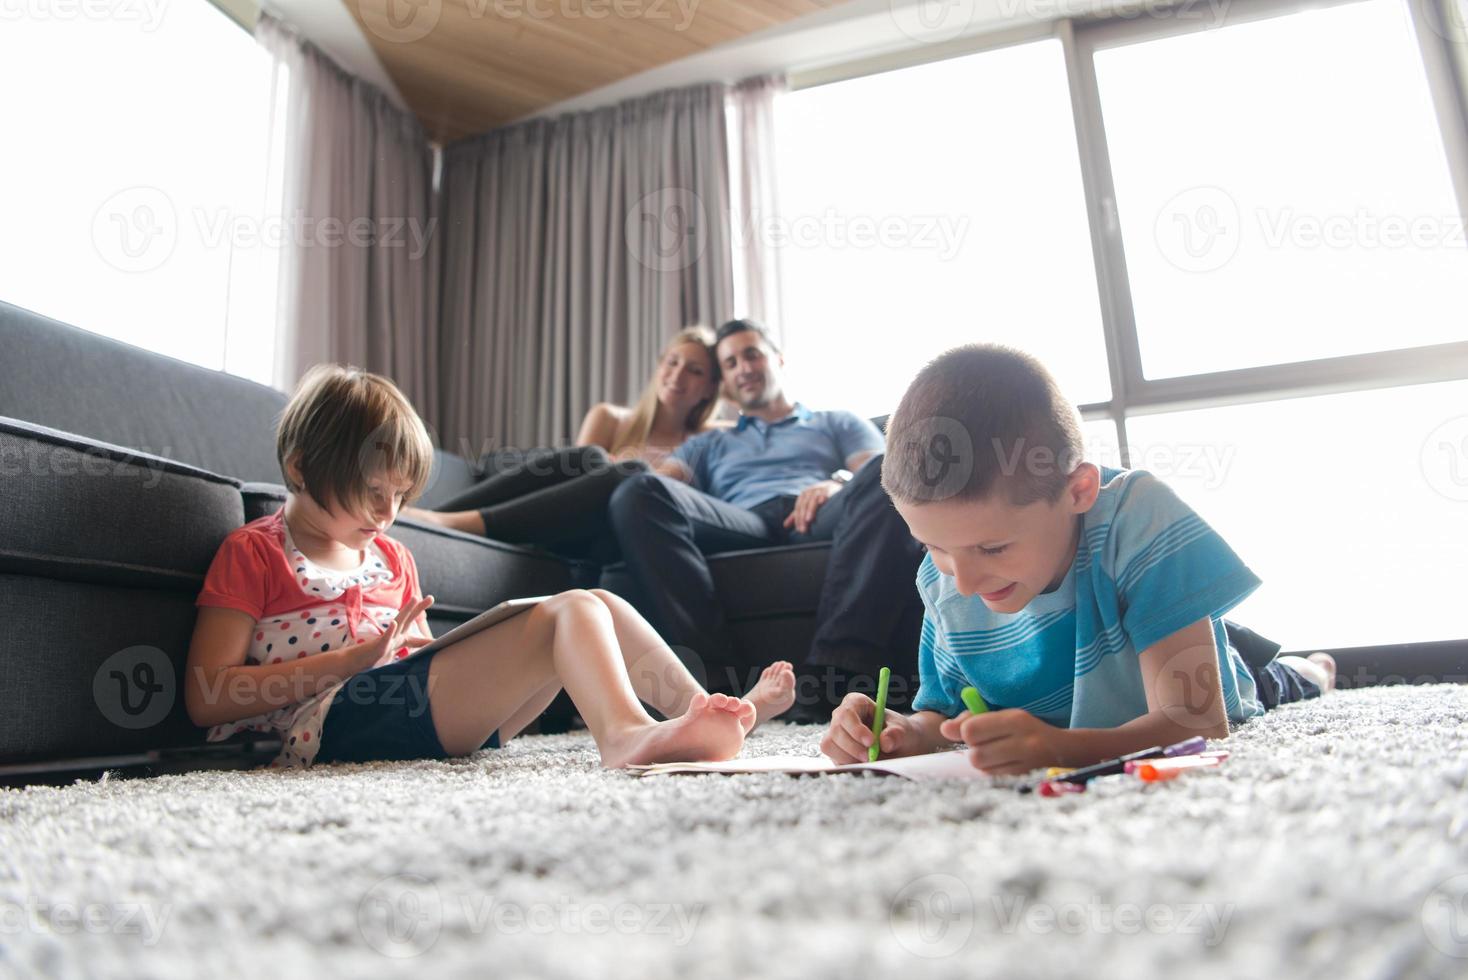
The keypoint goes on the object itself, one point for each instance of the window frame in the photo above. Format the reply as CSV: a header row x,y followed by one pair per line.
x,y
1132,393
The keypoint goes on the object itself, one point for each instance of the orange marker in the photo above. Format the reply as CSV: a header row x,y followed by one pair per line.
x,y
1160,770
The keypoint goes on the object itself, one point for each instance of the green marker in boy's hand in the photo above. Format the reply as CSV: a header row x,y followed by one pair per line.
x,y
972,701
874,752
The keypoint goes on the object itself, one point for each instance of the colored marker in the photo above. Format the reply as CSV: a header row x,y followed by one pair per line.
x,y
1111,767
1155,775
972,701
1055,787
874,752
1183,761
1155,770
1188,746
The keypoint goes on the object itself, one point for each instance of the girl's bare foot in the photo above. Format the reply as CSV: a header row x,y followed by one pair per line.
x,y
774,693
711,730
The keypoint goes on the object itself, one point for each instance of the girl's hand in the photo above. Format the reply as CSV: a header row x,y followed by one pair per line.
x,y
850,736
366,654
1006,743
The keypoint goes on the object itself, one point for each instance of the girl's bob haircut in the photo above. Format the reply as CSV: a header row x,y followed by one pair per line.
x,y
342,428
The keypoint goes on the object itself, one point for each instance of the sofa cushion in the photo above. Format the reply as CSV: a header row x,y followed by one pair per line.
x,y
467,574
771,582
451,476
68,379
91,670
102,552
757,583
81,510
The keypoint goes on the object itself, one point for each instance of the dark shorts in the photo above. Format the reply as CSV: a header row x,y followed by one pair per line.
x,y
1277,684
383,715
1274,683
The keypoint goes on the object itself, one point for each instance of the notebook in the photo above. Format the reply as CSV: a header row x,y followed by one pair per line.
x,y
922,768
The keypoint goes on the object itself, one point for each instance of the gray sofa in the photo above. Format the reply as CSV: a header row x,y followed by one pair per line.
x,y
120,473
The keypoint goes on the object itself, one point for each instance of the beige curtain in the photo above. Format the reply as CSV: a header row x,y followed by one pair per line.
x,y
358,277
754,115
572,249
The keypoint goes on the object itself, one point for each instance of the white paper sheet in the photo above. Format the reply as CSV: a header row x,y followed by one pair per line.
x,y
935,766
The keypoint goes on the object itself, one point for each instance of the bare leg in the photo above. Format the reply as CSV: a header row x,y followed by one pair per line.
x,y
501,674
470,699
661,679
658,676
531,710
468,521
652,679
420,514
774,692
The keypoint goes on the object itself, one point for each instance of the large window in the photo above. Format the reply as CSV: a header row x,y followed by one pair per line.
x,y
1302,210
1271,204
1352,508
930,207
137,184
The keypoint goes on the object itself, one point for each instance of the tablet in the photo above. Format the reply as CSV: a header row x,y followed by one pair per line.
x,y
490,617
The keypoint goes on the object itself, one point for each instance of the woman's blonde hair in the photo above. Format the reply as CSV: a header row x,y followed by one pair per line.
x,y
342,427
640,425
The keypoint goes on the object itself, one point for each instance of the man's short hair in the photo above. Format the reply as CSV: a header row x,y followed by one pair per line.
x,y
979,418
740,326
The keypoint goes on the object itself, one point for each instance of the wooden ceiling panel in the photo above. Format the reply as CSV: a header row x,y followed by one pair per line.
x,y
468,66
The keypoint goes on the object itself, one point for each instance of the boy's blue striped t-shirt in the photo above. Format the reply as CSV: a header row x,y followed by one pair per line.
x,y
1146,567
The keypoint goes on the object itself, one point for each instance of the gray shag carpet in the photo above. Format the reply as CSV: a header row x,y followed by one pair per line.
x,y
1334,843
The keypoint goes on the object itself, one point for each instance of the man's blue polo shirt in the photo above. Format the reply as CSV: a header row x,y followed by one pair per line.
x,y
757,460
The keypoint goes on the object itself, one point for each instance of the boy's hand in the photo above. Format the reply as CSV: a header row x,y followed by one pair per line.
x,y
366,654
850,736
1005,743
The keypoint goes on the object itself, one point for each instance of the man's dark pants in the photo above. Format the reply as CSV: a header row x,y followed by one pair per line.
x,y
869,614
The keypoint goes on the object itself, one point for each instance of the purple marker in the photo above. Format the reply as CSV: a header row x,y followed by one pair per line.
x,y
1191,746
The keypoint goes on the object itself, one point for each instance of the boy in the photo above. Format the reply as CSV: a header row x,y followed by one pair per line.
x,y
1084,603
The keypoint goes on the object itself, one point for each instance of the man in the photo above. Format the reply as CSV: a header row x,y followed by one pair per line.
x,y
783,475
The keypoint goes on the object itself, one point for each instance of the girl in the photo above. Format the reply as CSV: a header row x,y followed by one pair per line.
x,y
307,618
557,497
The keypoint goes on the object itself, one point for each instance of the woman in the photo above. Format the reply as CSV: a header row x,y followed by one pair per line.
x,y
678,402
557,497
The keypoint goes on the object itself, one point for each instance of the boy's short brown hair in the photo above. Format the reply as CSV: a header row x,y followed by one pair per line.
x,y
979,418
344,426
